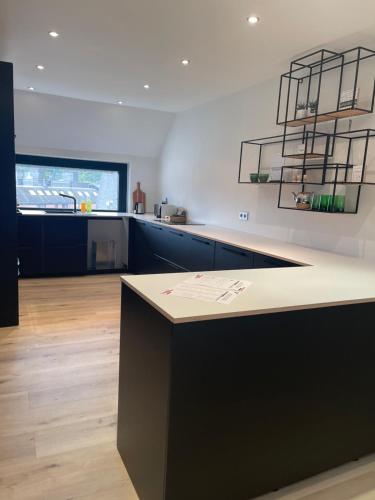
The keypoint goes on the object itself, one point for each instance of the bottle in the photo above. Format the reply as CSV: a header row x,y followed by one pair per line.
x,y
89,206
83,207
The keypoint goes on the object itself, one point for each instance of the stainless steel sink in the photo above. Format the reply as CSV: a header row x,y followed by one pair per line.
x,y
59,212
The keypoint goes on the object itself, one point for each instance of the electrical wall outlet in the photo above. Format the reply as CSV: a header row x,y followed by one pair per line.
x,y
243,215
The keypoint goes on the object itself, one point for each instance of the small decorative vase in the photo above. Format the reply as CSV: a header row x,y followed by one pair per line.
x,y
301,113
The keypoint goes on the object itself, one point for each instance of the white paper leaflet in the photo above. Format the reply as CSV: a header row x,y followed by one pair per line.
x,y
209,288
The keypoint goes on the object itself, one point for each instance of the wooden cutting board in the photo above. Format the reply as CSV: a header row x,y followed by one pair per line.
x,y
139,196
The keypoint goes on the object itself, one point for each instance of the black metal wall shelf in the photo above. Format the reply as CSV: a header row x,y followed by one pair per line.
x,y
261,152
331,161
349,201
304,81
326,117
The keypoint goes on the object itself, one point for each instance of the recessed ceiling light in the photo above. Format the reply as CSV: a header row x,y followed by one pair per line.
x,y
253,19
120,102
146,86
185,62
53,34
30,88
40,67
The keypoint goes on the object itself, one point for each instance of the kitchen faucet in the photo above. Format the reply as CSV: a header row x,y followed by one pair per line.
x,y
72,198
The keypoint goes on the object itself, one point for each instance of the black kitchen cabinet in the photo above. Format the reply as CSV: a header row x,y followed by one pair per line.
x,y
65,260
199,253
159,249
8,203
65,245
30,246
155,239
175,246
65,231
263,261
52,245
140,253
230,257
162,265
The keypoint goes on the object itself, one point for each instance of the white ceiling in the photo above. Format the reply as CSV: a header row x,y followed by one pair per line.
x,y
108,49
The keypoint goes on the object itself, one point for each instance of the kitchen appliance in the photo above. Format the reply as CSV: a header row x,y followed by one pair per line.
x,y
167,210
103,254
139,207
157,207
304,200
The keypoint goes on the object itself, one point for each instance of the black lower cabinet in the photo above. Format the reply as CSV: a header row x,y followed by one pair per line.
x,y
162,265
229,257
199,253
234,408
52,245
30,246
174,247
65,246
261,261
158,249
65,260
140,258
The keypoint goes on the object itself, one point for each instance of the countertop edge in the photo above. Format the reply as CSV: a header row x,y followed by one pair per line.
x,y
238,314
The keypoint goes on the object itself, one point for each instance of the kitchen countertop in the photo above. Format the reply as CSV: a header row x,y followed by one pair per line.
x,y
325,279
92,215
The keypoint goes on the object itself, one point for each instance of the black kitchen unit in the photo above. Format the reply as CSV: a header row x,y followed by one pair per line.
x,y
158,249
52,245
8,221
232,408
64,244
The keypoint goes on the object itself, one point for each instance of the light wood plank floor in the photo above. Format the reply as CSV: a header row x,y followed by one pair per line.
x,y
58,393
58,402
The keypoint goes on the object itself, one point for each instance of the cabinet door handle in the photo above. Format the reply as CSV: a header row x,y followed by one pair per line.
x,y
236,252
172,264
200,241
157,227
176,234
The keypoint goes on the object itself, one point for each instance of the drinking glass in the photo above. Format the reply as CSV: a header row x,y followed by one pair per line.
x,y
339,203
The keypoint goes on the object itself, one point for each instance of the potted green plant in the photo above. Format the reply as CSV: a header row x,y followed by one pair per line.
x,y
301,110
313,106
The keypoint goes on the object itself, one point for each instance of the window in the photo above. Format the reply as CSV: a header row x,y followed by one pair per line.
x,y
40,181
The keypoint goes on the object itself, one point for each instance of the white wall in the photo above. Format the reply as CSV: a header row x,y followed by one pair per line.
x,y
72,128
199,168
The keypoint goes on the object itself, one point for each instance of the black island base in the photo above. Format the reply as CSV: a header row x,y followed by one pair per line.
x,y
230,409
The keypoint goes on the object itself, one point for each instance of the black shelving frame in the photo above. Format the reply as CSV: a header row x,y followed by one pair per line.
x,y
333,173
304,137
322,61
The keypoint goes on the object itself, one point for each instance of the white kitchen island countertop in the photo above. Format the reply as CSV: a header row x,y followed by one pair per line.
x,y
324,279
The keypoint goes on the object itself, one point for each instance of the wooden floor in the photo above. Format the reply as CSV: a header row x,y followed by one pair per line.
x,y
58,393
58,398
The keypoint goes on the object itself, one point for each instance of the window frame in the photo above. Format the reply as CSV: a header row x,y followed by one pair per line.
x,y
51,161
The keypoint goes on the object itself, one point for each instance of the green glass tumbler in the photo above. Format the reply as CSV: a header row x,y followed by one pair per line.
x,y
325,202
339,203
316,202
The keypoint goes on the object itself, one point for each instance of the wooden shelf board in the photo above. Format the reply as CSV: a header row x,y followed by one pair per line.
x,y
326,117
347,113
318,211
299,156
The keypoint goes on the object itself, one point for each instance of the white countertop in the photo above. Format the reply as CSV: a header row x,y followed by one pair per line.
x,y
91,215
327,279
